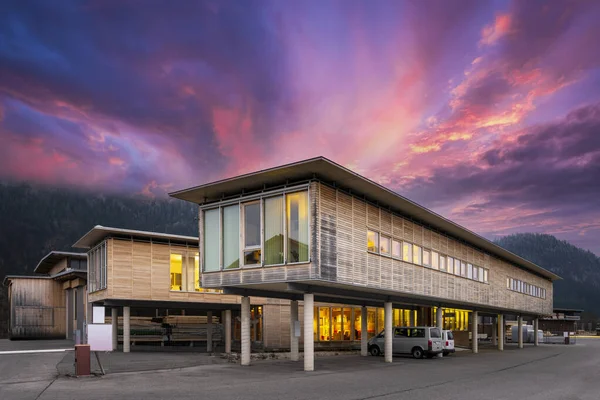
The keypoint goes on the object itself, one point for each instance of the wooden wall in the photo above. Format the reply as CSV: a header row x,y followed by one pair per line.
x,y
37,309
343,224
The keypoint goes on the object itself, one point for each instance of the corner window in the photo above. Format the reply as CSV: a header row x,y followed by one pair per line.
x,y
372,241
396,249
211,240
251,242
297,227
384,245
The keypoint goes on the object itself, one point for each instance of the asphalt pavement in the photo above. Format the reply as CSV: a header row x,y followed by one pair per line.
x,y
546,372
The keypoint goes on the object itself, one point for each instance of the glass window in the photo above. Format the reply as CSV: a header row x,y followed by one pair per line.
x,y
176,272
231,237
197,277
435,333
463,268
347,323
372,241
417,255
396,249
457,269
426,257
211,240
475,273
371,322
357,323
273,245
443,263
435,260
324,324
485,275
384,245
297,226
336,323
252,233
407,252
470,271
450,265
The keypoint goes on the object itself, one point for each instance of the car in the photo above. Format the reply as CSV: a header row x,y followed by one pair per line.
x,y
419,341
447,342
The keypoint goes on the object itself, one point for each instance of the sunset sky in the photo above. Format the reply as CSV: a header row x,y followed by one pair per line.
x,y
487,112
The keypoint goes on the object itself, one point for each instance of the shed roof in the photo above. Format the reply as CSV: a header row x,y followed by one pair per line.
x,y
9,278
99,233
323,169
50,260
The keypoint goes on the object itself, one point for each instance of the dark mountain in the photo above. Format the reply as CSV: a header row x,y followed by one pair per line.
x,y
35,220
580,269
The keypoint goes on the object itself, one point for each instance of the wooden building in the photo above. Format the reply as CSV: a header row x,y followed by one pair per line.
x,y
51,303
318,232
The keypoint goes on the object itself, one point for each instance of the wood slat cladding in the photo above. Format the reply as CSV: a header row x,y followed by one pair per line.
x,y
37,309
344,259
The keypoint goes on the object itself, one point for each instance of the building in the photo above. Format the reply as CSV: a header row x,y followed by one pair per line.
x,y
52,303
561,320
316,232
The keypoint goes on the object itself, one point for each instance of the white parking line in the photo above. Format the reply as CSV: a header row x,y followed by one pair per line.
x,y
34,351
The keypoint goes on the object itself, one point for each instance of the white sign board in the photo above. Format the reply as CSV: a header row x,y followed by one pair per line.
x,y
100,337
565,334
98,315
297,328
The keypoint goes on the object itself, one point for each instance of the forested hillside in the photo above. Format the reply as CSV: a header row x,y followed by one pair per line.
x,y
35,220
580,269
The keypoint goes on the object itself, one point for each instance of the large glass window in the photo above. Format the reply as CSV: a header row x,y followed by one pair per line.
x,y
324,323
297,226
231,237
384,246
396,249
273,230
97,268
407,252
176,272
372,241
252,234
357,323
211,240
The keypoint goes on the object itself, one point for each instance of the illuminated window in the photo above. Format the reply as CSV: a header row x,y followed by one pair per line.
x,y
384,245
435,260
372,241
407,252
297,227
426,258
176,272
357,324
396,249
324,323
417,254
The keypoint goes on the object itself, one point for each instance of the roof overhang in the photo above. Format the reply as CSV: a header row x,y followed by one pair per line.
x,y
8,278
52,258
70,274
327,171
98,233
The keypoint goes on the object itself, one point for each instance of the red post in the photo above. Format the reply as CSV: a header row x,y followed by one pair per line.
x,y
82,359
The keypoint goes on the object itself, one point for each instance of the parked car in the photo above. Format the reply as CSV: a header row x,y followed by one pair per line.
x,y
416,340
447,342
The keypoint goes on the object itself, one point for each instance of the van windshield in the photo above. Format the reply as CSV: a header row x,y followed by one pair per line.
x,y
435,333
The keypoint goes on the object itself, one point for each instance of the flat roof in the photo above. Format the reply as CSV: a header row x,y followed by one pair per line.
x,y
558,309
99,233
323,169
9,278
50,260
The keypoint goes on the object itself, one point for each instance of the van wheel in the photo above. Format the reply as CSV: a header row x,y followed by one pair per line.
x,y
417,352
375,351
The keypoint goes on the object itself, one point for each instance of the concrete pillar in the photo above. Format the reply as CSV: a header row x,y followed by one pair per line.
x,y
309,337
520,331
475,343
69,313
494,331
536,340
294,352
209,332
439,322
500,328
227,331
364,345
389,332
114,312
126,329
246,344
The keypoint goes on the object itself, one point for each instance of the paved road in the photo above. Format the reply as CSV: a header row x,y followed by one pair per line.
x,y
544,373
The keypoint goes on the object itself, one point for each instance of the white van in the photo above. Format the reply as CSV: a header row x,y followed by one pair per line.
x,y
447,342
416,340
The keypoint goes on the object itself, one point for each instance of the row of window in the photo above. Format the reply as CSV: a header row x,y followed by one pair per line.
x,y
97,268
525,288
270,231
412,253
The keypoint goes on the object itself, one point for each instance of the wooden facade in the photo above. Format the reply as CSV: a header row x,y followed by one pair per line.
x,y
37,308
